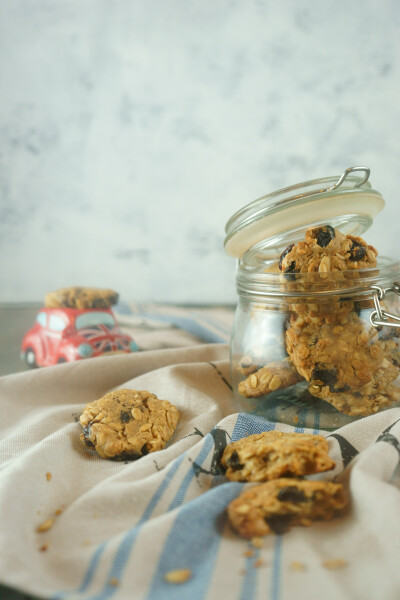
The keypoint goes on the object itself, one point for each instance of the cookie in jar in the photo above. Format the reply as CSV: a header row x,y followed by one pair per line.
x,y
315,341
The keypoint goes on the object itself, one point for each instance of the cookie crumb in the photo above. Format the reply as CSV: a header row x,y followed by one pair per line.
x,y
243,572
258,563
248,553
45,526
257,542
58,512
334,563
44,547
178,576
48,476
297,566
114,581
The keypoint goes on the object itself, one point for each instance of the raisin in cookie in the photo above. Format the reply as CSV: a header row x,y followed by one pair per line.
x,y
275,506
127,424
81,297
275,454
327,249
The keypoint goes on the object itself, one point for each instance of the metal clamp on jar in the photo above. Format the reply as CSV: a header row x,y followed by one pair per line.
x,y
313,349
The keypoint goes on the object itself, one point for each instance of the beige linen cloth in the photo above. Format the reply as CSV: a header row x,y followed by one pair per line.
x,y
120,527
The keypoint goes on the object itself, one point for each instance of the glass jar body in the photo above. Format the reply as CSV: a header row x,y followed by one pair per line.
x,y
304,350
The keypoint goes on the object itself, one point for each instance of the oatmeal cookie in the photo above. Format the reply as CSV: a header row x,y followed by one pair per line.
x,y
274,376
342,356
81,297
376,395
274,454
249,364
275,506
347,364
127,424
334,311
329,340
327,249
360,403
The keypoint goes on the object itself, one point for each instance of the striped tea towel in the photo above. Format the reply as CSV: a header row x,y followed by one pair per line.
x,y
119,528
172,325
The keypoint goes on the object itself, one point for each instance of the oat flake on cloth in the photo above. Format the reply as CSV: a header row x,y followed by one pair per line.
x,y
123,526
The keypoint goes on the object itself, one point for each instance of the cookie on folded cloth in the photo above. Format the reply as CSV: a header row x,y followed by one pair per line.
x,y
127,424
275,506
274,454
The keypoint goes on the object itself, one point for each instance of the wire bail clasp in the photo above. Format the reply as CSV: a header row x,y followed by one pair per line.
x,y
380,317
347,172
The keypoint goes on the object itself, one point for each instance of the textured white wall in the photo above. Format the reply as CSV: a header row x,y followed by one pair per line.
x,y
130,131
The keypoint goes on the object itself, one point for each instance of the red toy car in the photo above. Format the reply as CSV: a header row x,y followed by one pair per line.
x,y
67,334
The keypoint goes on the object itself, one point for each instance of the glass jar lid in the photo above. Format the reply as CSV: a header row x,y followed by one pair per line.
x,y
267,225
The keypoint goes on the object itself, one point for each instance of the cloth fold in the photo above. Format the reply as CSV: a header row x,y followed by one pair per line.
x,y
120,527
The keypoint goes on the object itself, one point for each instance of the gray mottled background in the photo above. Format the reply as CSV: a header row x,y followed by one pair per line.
x,y
130,131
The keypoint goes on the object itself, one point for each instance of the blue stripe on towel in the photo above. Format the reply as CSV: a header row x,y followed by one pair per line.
x,y
316,422
250,424
195,322
276,569
250,579
194,540
193,543
125,548
223,328
128,540
190,475
94,561
188,324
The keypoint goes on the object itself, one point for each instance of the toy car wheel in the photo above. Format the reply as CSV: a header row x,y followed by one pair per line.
x,y
61,360
30,358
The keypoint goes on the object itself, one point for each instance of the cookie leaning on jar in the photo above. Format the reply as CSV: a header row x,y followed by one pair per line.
x,y
329,344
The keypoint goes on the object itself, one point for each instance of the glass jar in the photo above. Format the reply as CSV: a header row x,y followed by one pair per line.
x,y
320,349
